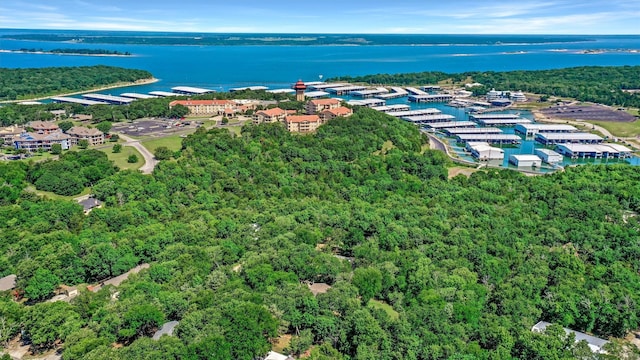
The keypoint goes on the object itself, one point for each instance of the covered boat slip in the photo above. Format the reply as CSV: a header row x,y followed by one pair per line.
x,y
562,138
471,130
401,114
451,125
428,119
490,138
478,117
532,129
503,122
599,151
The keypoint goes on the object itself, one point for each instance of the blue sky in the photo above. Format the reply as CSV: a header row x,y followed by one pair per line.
x,y
329,16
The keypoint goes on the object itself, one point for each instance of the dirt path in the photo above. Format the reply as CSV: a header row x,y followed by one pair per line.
x,y
149,160
115,86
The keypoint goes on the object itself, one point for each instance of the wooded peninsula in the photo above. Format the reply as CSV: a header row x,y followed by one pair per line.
x,y
413,265
88,52
26,83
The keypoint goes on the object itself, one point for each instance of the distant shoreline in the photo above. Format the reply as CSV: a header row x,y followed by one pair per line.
x,y
61,53
102,88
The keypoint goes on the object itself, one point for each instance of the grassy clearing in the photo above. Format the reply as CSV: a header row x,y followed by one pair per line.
x,y
620,129
120,159
37,157
377,304
173,142
53,196
459,170
234,129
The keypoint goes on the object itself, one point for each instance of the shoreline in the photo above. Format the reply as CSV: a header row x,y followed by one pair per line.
x,y
6,51
102,88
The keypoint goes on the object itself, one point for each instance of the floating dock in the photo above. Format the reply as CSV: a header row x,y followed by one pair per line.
x,y
471,130
316,94
549,156
370,93
252,88
29,103
190,90
345,90
431,98
323,86
400,114
396,92
392,108
490,138
115,100
503,122
313,83
451,125
478,117
164,93
430,88
575,151
138,96
429,119
532,129
367,102
563,138
414,91
281,91
85,102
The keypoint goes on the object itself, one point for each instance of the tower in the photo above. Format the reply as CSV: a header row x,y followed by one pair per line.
x,y
299,87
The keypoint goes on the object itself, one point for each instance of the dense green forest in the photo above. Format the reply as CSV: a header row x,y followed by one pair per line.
x,y
601,84
37,82
76,51
420,266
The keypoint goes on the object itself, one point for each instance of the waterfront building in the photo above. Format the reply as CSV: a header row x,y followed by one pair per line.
x,y
452,125
599,151
269,116
189,90
532,129
490,138
525,160
430,98
316,106
494,95
517,96
478,117
10,133
367,102
484,151
43,127
451,131
503,122
429,119
92,135
115,100
303,123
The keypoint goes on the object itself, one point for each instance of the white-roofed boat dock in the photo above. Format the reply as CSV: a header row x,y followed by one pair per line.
x,y
281,91
562,138
400,114
478,117
490,138
316,94
71,100
190,90
429,119
451,125
414,91
367,102
323,86
396,92
345,90
164,93
532,129
369,92
471,130
392,108
116,100
575,151
503,122
251,88
431,98
138,96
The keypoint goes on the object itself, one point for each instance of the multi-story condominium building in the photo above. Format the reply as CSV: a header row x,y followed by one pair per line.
x,y
316,106
329,114
303,123
33,141
43,127
269,116
94,136
206,107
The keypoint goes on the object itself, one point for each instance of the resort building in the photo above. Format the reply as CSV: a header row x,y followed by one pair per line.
x,y
517,97
43,127
10,133
329,114
595,344
206,107
484,151
93,136
303,123
33,141
525,160
317,106
494,95
269,116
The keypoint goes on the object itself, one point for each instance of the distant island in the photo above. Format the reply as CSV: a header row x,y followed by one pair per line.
x,y
80,52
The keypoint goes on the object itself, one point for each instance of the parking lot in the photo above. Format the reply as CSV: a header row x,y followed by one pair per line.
x,y
148,127
592,112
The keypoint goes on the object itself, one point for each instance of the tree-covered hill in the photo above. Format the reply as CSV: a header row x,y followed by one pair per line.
x,y
601,84
37,82
420,266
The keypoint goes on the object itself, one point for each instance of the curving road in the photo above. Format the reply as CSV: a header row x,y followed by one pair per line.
x,y
149,160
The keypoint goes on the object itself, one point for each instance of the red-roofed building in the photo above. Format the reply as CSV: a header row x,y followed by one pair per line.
x,y
316,106
44,127
303,123
329,114
269,116
206,107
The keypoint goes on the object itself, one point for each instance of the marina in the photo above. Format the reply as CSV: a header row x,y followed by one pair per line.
x,y
396,92
115,100
392,108
503,122
532,129
164,93
316,94
561,138
369,93
367,102
190,90
490,138
138,96
439,98
471,130
428,119
451,125
251,88
429,111
71,100
345,90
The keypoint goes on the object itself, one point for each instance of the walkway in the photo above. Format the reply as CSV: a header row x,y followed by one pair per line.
x,y
149,160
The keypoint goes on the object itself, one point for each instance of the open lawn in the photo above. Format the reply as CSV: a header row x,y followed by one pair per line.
x,y
377,304
120,159
173,142
234,129
621,129
53,196
39,157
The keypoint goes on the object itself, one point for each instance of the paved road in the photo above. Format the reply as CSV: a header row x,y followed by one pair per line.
x,y
149,160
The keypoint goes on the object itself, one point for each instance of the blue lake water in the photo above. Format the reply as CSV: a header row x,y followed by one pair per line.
x,y
277,66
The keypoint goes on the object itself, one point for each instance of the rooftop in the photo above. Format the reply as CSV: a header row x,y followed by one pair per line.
x,y
302,118
272,112
325,101
8,282
84,131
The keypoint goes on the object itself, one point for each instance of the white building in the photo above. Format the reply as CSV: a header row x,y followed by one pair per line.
x,y
594,343
494,95
518,97
549,156
484,151
525,160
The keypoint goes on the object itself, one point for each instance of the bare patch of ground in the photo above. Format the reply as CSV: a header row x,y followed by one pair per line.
x,y
455,171
588,112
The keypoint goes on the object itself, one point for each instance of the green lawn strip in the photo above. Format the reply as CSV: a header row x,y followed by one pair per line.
x,y
120,159
620,129
377,304
54,196
173,142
